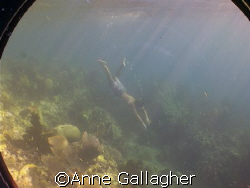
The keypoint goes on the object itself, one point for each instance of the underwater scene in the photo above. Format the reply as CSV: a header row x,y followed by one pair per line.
x,y
133,93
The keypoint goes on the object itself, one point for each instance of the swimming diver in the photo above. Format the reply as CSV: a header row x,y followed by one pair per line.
x,y
120,91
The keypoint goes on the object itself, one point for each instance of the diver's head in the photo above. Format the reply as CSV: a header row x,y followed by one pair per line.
x,y
139,103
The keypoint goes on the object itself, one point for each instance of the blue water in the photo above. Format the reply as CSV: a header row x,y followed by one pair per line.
x,y
205,45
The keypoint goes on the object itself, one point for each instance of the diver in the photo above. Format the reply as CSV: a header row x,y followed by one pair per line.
x,y
120,91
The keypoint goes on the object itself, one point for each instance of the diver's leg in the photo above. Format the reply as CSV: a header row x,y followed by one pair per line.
x,y
146,116
119,70
138,116
104,64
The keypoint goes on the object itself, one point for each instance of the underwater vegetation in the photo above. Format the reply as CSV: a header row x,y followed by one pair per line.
x,y
101,123
52,119
199,137
34,138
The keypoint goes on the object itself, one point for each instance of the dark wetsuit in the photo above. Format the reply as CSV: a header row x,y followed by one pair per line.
x,y
117,86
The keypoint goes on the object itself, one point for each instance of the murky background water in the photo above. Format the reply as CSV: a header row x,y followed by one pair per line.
x,y
188,61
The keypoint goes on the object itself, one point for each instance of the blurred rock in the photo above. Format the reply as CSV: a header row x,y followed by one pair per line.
x,y
60,147
70,132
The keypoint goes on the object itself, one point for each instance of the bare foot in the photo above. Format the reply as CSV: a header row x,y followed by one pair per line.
x,y
148,121
101,61
124,62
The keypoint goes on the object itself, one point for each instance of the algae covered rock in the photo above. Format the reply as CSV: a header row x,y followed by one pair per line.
x,y
48,83
71,132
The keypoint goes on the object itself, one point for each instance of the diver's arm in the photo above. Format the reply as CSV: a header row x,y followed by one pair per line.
x,y
146,115
137,115
131,101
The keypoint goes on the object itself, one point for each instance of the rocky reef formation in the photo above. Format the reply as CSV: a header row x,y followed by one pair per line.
x,y
74,155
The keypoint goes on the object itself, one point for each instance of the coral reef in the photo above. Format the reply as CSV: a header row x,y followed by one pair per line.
x,y
48,83
51,113
60,147
69,156
34,138
89,147
53,118
101,123
175,110
33,147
